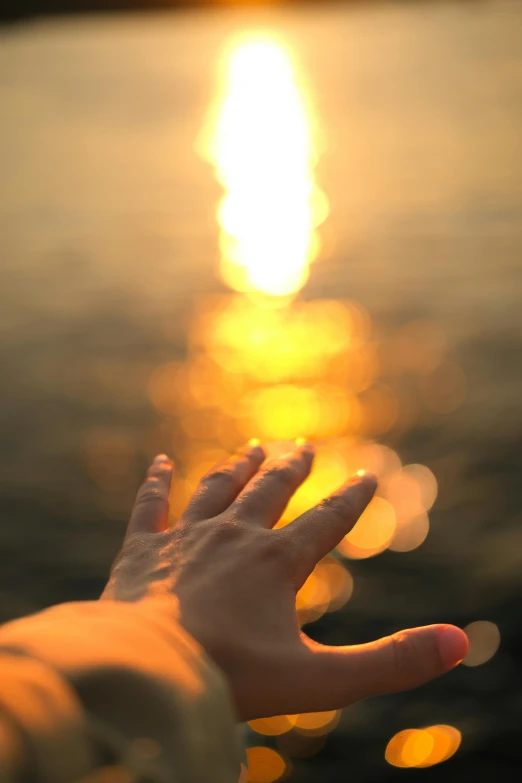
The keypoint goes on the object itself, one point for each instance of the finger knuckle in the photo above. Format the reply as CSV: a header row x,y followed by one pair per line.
x,y
136,547
221,475
151,492
271,547
160,470
404,652
224,531
336,506
282,474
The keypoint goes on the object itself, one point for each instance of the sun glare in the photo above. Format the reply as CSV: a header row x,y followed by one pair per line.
x,y
260,140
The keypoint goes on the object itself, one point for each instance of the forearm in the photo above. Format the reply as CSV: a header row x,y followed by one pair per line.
x,y
88,684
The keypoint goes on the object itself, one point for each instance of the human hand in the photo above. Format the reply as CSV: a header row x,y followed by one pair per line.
x,y
230,580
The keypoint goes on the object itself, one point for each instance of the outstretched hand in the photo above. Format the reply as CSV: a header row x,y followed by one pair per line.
x,y
230,580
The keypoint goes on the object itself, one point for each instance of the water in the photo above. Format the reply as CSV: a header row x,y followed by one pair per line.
x,y
110,244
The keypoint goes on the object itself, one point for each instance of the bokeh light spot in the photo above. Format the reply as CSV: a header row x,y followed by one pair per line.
x,y
317,723
417,748
372,533
446,742
272,727
423,747
298,745
264,765
484,641
412,491
393,754
328,587
410,533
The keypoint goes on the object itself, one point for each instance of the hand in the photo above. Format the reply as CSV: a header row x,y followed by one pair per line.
x,y
231,581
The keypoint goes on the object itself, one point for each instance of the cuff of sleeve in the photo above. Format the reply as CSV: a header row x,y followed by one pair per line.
x,y
44,734
145,679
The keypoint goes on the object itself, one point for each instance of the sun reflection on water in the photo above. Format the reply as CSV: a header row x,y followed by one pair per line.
x,y
261,141
262,362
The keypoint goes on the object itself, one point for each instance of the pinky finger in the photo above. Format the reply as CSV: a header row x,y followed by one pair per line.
x,y
151,508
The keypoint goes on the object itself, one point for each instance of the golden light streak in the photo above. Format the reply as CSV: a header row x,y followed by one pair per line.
x,y
261,141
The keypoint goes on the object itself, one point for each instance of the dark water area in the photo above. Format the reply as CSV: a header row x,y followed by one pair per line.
x,y
109,241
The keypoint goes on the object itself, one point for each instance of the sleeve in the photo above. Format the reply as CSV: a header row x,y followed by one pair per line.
x,y
101,688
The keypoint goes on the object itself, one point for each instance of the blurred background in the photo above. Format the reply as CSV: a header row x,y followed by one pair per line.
x,y
238,221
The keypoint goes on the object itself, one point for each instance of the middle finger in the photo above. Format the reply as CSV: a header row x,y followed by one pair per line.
x,y
266,496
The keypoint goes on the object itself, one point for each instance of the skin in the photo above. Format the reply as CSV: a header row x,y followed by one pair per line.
x,y
224,574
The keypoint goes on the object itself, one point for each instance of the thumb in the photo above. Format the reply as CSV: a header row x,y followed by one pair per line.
x,y
395,663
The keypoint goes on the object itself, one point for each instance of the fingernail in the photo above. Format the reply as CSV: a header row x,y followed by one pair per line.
x,y
304,446
453,646
252,447
161,458
364,476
